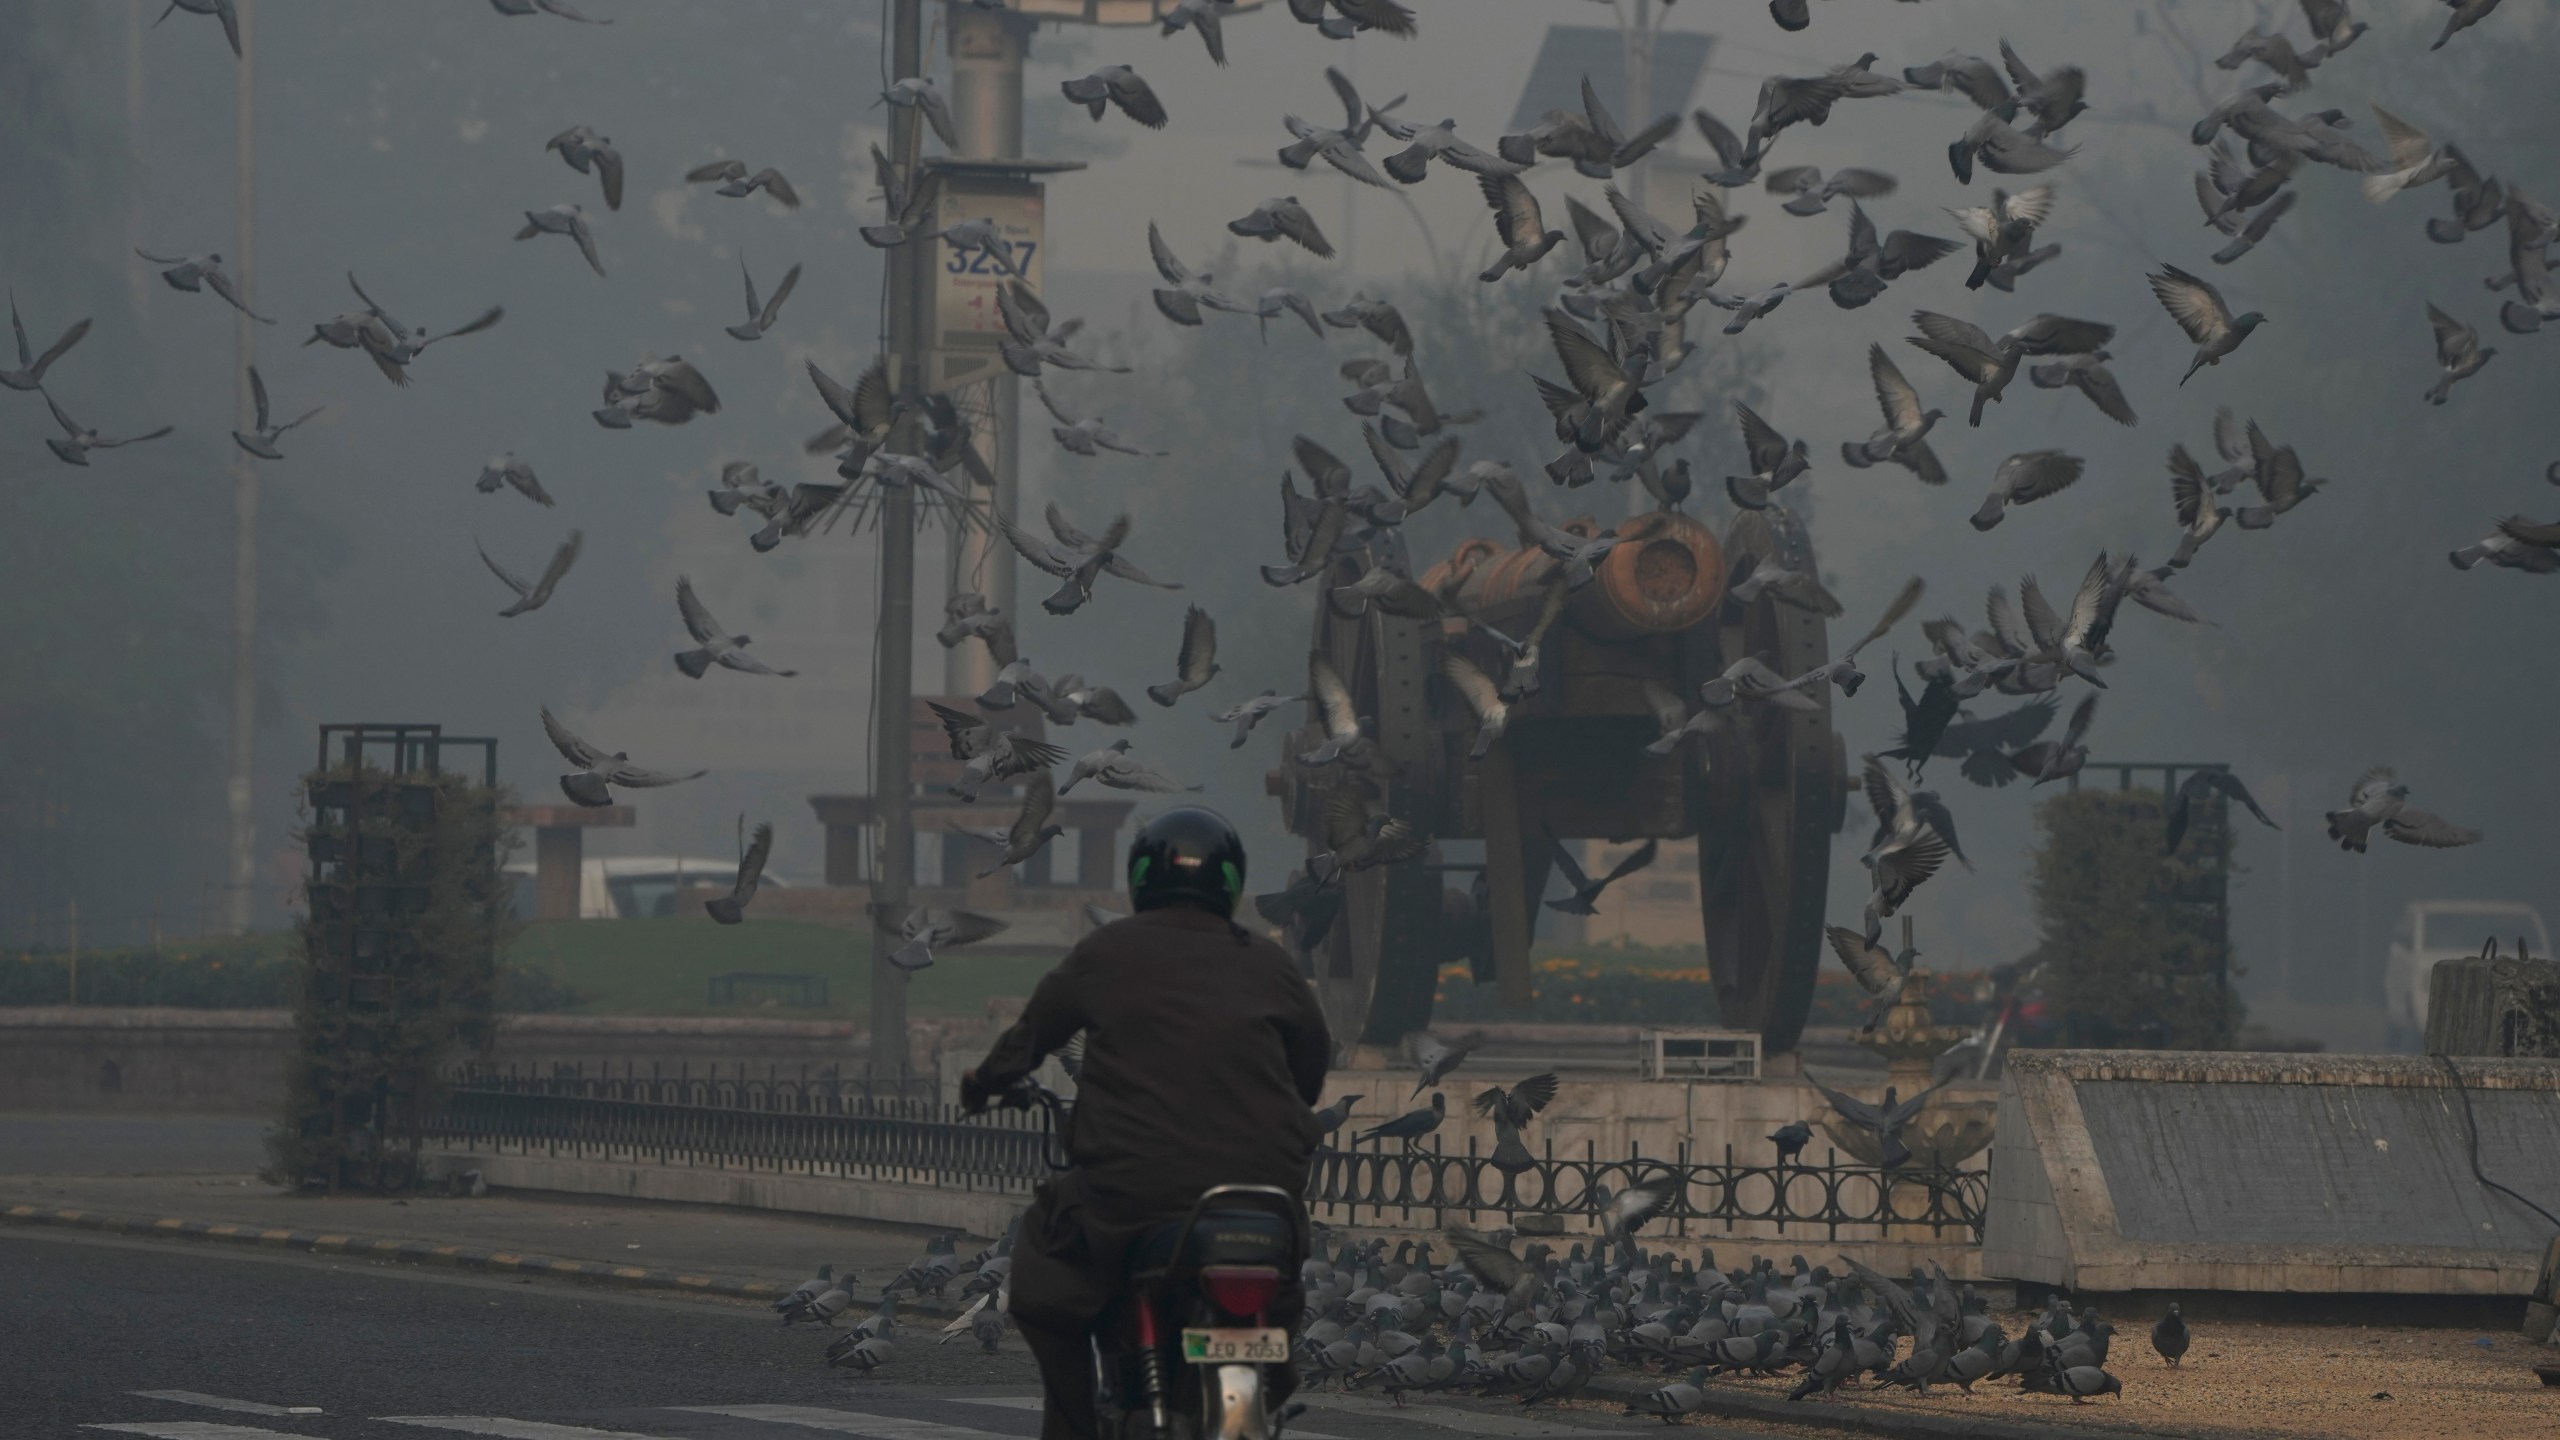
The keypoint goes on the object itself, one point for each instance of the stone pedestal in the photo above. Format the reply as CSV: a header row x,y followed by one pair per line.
x,y
560,851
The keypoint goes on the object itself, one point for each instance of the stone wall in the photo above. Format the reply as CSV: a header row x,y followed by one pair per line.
x,y
2169,1171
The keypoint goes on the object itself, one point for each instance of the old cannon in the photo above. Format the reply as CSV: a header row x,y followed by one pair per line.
x,y
1763,795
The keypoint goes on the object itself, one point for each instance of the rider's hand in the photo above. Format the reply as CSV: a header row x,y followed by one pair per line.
x,y
974,1094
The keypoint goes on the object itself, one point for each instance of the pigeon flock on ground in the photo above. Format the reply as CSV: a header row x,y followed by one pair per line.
x,y
1532,1325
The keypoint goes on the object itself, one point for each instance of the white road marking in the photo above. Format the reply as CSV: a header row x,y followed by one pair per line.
x,y
1475,1422
217,1402
507,1429
1032,1402
194,1430
850,1422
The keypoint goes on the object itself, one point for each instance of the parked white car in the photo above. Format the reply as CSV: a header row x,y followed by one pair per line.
x,y
2433,930
635,887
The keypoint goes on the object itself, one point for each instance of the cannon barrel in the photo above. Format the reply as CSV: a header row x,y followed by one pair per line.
x,y
1668,576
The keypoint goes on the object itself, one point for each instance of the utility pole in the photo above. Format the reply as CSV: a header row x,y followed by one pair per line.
x,y
987,51
239,790
894,858
1639,42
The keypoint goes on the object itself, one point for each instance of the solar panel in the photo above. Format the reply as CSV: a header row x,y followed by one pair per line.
x,y
1571,52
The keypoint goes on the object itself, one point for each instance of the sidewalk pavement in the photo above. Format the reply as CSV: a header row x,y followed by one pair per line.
x,y
705,1249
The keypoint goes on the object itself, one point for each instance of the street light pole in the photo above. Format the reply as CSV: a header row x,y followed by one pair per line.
x,y
987,51
241,859
894,856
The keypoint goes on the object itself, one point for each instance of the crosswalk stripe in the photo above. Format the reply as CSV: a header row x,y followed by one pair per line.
x,y
850,1422
1448,1417
193,1430
508,1429
1033,1402
217,1402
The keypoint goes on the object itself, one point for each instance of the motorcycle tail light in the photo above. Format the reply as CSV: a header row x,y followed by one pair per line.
x,y
1242,1291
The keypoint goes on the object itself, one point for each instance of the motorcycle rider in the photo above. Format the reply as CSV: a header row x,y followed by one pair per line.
x,y
1204,1053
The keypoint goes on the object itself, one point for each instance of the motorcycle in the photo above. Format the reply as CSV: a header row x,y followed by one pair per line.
x,y
1192,1350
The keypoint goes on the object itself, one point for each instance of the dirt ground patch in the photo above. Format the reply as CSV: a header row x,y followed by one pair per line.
x,y
2265,1380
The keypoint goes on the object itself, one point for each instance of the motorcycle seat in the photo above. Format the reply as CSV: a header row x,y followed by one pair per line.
x,y
1217,1237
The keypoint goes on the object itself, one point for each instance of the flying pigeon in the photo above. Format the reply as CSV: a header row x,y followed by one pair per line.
x,y
731,908
597,770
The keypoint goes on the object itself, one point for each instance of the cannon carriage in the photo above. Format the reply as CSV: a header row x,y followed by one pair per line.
x,y
1763,794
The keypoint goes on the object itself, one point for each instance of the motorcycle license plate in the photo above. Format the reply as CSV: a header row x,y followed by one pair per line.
x,y
1246,1346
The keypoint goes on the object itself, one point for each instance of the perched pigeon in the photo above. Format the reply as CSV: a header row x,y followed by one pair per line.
x,y
2170,1336
795,1305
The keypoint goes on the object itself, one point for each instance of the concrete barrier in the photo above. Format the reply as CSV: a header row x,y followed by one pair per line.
x,y
61,1058
2271,1173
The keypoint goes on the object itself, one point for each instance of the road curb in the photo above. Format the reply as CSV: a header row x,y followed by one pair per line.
x,y
1854,1418
407,1252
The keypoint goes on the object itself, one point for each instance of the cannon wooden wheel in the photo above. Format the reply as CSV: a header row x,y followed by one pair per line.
x,y
1763,796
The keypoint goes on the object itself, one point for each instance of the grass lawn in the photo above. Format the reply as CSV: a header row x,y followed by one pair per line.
x,y
662,967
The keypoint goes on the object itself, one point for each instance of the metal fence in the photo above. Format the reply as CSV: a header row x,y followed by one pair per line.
x,y
859,1129
1836,1201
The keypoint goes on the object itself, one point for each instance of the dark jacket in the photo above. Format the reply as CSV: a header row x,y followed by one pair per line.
x,y
1204,1051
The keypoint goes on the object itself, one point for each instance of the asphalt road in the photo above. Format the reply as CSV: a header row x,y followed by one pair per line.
x,y
141,1337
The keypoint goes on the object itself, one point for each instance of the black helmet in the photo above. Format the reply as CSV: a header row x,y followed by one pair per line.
x,y
1188,856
